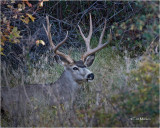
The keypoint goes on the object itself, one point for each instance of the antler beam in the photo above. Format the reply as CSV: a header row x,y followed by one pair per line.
x,y
87,40
55,48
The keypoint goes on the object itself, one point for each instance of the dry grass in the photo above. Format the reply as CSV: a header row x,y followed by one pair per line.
x,y
110,78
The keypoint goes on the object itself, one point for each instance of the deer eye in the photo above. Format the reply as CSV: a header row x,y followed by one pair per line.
x,y
75,68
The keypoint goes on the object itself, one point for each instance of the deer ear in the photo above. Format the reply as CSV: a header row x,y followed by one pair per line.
x,y
61,60
89,60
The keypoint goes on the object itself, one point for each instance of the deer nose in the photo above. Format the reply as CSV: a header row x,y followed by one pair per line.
x,y
90,76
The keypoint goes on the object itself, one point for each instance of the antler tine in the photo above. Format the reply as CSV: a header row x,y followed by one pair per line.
x,y
87,40
102,34
48,32
55,48
100,45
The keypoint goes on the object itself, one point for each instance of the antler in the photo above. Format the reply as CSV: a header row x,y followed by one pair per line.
x,y
87,40
55,48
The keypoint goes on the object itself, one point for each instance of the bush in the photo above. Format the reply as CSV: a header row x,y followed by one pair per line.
x,y
140,103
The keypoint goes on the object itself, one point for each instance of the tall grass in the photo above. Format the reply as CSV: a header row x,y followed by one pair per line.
x,y
93,106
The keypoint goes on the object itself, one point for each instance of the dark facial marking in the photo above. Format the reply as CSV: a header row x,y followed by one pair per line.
x,y
80,64
75,68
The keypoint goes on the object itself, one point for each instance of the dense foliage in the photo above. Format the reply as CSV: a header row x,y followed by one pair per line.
x,y
133,24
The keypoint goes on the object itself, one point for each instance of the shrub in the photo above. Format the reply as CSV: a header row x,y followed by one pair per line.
x,y
140,103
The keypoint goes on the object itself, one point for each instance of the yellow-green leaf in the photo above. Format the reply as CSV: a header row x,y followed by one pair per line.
x,y
31,17
26,20
15,33
1,51
132,27
14,29
12,1
140,27
40,42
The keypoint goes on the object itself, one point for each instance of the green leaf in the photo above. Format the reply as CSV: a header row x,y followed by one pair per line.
x,y
15,32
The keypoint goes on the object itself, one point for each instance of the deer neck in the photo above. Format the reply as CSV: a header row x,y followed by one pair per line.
x,y
66,80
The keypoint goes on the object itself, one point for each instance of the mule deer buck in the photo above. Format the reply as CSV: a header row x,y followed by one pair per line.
x,y
64,90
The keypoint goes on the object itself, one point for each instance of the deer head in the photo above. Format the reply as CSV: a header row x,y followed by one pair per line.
x,y
78,69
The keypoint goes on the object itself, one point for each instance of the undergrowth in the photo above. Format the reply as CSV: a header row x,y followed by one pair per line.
x,y
110,100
